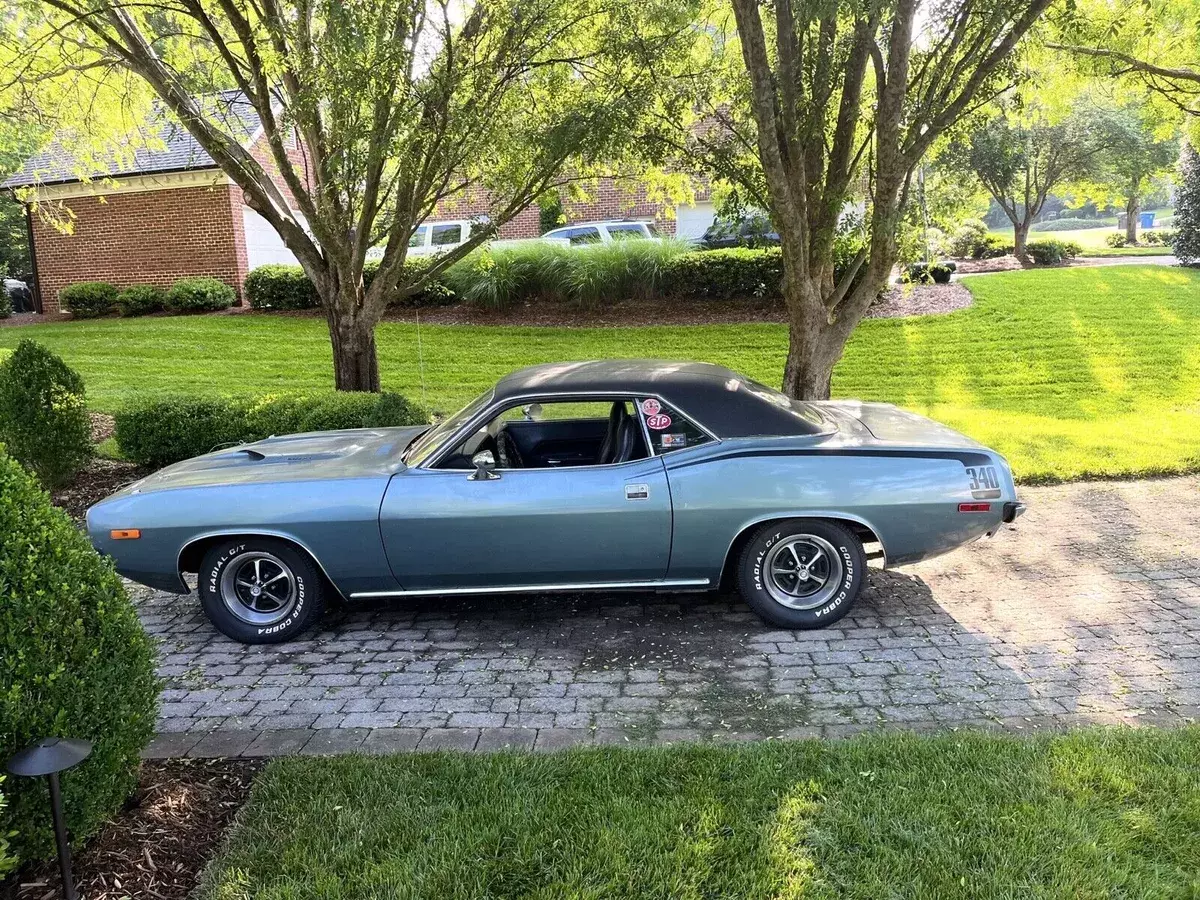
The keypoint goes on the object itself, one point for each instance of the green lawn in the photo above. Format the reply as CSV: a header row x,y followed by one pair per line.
x,y
1089,814
1092,240
1070,372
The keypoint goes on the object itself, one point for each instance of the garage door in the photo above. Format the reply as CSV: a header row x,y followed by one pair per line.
x,y
263,243
691,221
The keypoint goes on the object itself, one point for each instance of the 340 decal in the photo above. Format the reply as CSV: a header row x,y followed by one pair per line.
x,y
983,478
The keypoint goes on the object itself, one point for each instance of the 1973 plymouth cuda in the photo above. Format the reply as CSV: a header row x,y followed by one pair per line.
x,y
568,477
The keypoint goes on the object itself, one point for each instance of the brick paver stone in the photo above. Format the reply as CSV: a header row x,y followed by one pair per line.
x,y
1088,610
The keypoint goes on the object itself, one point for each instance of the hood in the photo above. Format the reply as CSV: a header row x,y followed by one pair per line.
x,y
354,453
890,424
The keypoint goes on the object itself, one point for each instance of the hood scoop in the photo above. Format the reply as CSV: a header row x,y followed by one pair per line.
x,y
267,453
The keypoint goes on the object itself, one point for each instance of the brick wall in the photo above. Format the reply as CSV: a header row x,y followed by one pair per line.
x,y
145,237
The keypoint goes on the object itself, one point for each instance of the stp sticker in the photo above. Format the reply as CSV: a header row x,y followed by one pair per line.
x,y
659,422
674,440
651,407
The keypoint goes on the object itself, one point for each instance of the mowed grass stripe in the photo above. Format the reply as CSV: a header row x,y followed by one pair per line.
x,y
969,815
1069,372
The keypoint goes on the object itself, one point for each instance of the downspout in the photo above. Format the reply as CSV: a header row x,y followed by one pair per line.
x,y
37,279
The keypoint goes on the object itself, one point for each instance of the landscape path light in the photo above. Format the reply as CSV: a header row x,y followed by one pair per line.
x,y
48,757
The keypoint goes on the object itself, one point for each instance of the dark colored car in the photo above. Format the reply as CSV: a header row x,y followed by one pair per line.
x,y
752,231
19,294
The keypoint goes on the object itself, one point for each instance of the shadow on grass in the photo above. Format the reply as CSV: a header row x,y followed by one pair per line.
x,y
1097,813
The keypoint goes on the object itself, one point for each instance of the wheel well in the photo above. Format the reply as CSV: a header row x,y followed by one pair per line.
x,y
193,554
729,568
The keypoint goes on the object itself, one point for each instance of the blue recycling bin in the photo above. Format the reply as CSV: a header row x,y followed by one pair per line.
x,y
1147,220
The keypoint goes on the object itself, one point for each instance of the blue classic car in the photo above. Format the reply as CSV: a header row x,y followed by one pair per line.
x,y
623,474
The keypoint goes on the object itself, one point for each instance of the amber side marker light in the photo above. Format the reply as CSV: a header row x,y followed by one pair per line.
x,y
974,507
125,534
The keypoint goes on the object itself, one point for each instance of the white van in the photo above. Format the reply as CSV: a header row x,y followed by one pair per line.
x,y
603,233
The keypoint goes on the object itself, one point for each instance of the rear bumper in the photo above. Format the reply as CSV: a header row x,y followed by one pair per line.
x,y
1012,511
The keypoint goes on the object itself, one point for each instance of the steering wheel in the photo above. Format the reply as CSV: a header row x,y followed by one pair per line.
x,y
508,455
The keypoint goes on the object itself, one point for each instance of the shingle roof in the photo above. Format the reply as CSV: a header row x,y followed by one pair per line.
x,y
55,164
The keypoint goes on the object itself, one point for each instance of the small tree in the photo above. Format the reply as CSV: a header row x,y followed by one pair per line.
x,y
846,98
1021,156
1140,145
1187,209
374,113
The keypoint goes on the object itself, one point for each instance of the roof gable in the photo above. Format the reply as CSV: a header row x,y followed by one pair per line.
x,y
55,164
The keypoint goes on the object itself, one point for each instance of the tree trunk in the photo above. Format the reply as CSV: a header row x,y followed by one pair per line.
x,y
352,333
1020,238
814,347
1132,207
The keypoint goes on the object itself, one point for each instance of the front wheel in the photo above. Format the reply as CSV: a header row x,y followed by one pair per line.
x,y
260,590
803,573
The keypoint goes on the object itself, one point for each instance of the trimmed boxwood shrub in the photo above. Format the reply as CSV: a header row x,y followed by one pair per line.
x,y
991,247
160,432
200,295
7,861
928,273
74,662
1116,240
1050,251
43,414
88,299
140,300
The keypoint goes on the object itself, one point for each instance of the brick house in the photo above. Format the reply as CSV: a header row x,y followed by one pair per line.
x,y
171,213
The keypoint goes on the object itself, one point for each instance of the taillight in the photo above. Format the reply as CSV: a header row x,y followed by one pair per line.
x,y
974,507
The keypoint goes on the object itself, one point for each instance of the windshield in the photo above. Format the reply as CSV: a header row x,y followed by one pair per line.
x,y
422,447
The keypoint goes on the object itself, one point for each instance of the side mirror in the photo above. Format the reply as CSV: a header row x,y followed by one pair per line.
x,y
485,466
532,412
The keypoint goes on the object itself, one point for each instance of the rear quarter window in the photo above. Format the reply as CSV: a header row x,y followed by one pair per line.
x,y
669,429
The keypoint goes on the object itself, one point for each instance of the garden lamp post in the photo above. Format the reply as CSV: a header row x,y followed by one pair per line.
x,y
48,757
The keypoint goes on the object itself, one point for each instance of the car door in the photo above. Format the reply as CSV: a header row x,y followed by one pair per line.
x,y
444,528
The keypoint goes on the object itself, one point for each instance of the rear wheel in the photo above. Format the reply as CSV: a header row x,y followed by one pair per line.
x,y
260,590
803,573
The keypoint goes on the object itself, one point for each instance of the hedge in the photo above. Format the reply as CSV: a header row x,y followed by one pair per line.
x,y
88,299
43,414
200,295
1049,251
502,277
281,287
157,433
74,662
140,300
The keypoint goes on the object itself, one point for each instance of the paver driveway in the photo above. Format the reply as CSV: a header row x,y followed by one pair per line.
x,y
1089,610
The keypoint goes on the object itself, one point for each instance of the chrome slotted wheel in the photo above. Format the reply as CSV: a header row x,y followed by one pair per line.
x,y
802,571
259,588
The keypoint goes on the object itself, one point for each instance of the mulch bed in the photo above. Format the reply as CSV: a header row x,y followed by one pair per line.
x,y
914,300
157,846
99,478
920,300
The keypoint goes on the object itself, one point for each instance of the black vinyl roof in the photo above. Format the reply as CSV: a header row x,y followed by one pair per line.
x,y
721,400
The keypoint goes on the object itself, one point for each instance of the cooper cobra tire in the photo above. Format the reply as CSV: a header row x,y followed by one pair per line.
x,y
260,590
802,573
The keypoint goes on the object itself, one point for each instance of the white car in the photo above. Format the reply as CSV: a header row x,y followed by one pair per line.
x,y
603,233
437,237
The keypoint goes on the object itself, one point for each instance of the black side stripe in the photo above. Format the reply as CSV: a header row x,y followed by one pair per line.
x,y
966,457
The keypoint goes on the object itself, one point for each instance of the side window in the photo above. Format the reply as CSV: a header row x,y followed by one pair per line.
x,y
418,237
668,429
626,232
589,235
444,235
